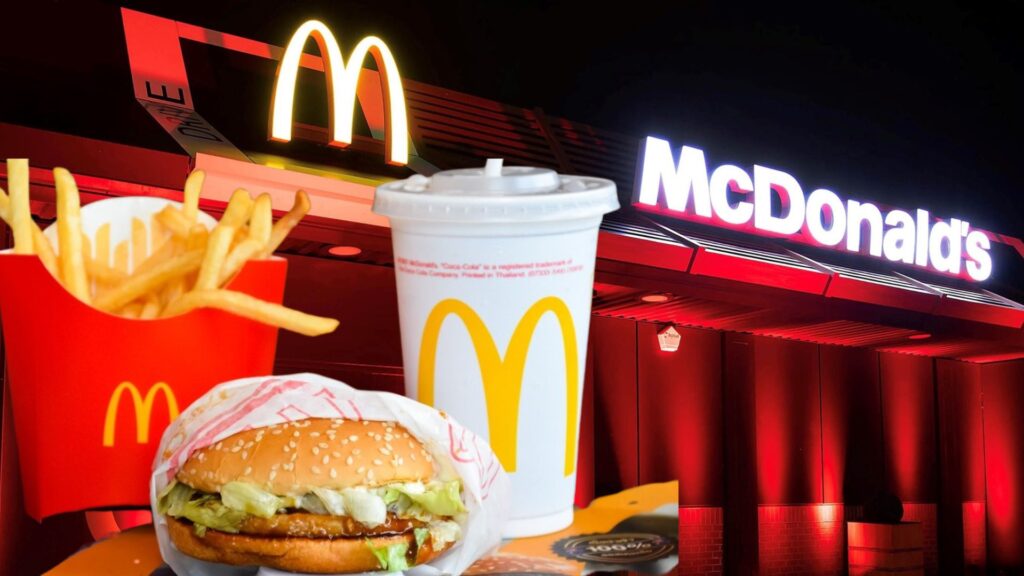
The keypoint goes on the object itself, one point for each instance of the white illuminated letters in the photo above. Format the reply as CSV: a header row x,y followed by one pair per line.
x,y
774,203
898,244
661,171
725,178
979,263
822,203
768,182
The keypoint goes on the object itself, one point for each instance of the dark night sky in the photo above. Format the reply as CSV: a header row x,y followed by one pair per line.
x,y
909,105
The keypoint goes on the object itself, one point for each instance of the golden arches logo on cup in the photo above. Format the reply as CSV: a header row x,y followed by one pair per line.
x,y
143,410
503,376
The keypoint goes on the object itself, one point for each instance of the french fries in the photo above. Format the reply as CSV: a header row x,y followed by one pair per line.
x,y
254,309
20,212
172,266
69,236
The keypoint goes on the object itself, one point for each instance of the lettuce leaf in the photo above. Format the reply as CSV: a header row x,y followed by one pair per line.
x,y
421,536
173,498
210,512
440,499
250,498
391,558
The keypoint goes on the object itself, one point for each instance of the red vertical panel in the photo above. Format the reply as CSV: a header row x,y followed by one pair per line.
x,y
788,422
851,424
740,514
365,350
681,413
961,461
908,420
615,403
1003,387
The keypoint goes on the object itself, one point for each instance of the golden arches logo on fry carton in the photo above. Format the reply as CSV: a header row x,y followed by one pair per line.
x,y
121,294
503,376
143,410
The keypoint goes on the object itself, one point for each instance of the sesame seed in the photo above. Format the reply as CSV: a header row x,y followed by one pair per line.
x,y
296,434
411,445
388,446
388,437
292,443
323,445
369,474
248,445
276,432
377,437
353,438
405,434
219,445
314,434
245,454
295,456
396,461
326,459
389,429
334,473
316,450
401,461
273,474
413,456
430,458
366,422
287,449
275,466
289,466
384,451
315,469
377,462
360,470
336,454
349,460
236,449
344,441
192,471
248,470
335,424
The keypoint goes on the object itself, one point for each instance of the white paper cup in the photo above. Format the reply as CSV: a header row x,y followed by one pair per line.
x,y
495,271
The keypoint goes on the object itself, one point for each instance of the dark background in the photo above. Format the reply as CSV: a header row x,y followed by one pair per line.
x,y
911,105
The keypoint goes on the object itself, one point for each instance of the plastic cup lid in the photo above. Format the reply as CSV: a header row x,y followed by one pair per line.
x,y
496,193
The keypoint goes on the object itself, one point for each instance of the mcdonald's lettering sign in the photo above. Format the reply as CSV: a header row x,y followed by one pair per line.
x,y
503,377
342,84
143,410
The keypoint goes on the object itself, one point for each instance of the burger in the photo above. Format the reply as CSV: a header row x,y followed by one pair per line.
x,y
317,495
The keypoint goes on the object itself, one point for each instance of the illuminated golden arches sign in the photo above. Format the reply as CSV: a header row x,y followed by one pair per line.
x,y
143,410
342,83
503,378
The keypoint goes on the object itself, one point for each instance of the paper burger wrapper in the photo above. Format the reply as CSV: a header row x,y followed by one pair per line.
x,y
91,392
258,402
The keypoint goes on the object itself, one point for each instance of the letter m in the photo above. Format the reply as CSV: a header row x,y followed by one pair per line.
x,y
342,84
659,171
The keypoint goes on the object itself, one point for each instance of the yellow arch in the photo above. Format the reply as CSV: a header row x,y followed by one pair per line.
x,y
503,379
143,410
342,84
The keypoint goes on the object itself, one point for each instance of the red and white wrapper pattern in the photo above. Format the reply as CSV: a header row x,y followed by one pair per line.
x,y
239,405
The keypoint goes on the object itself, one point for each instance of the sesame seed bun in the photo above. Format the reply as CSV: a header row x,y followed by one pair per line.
x,y
292,458
309,555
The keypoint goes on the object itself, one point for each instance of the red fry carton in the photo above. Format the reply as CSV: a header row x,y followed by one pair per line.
x,y
92,392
